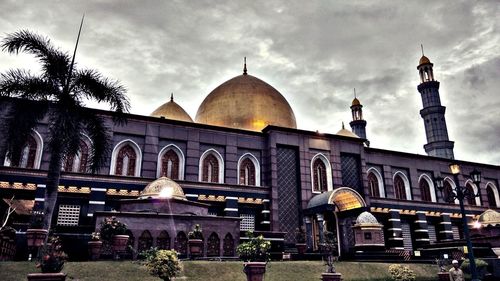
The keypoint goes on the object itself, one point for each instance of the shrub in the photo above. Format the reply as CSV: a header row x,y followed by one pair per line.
x,y
111,227
255,249
162,263
95,236
300,235
401,273
481,267
52,256
196,233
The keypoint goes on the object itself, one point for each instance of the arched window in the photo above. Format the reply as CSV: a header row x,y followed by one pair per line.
x,y
425,191
228,245
492,194
31,154
211,167
321,174
399,188
145,241
126,159
180,243
471,200
170,165
213,245
163,241
247,172
78,163
373,184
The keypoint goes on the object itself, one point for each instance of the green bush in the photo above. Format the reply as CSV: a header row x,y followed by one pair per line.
x,y
110,227
196,233
255,249
481,267
401,273
162,263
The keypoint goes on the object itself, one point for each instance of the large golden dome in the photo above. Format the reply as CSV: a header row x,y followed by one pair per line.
x,y
171,110
246,102
163,188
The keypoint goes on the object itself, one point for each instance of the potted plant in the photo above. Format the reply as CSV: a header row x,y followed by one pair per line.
x,y
300,240
95,245
329,250
255,254
162,263
51,261
114,231
443,275
195,242
35,234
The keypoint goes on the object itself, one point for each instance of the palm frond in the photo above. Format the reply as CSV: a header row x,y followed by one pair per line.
x,y
20,83
22,119
55,63
92,85
101,141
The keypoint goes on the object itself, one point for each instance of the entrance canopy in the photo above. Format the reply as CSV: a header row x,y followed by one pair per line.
x,y
338,200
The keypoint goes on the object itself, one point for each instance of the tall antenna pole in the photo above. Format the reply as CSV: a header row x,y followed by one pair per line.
x,y
74,54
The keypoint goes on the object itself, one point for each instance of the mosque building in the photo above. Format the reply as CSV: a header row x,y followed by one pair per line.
x,y
243,161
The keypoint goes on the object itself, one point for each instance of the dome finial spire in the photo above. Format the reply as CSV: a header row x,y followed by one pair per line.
x,y
355,93
422,47
172,97
343,127
245,66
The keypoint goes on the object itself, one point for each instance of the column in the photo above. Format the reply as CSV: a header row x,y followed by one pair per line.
x,y
309,238
266,214
320,219
395,233
444,232
97,200
231,209
421,232
39,198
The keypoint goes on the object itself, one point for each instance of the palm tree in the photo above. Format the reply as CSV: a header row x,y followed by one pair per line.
x,y
58,93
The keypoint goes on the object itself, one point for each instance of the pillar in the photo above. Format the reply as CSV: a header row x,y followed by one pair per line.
x,y
231,209
309,238
444,228
395,233
39,199
421,232
320,220
266,214
97,200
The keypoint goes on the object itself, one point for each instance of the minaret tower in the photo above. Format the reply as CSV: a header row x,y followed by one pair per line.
x,y
358,125
438,143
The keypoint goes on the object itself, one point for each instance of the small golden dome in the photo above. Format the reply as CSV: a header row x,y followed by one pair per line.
x,y
346,133
355,102
171,110
163,188
424,60
246,102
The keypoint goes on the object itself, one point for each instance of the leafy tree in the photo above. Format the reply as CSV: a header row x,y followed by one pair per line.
x,y
58,93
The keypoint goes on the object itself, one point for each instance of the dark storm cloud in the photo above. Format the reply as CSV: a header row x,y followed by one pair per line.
x,y
313,52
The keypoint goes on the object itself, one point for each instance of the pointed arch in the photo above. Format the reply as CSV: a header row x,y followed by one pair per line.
x,y
119,148
78,163
321,174
179,166
213,245
493,196
476,200
401,184
211,168
228,246
180,243
430,186
449,186
245,172
380,183
145,241
163,241
31,155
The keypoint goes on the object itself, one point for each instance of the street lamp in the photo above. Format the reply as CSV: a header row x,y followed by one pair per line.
x,y
460,193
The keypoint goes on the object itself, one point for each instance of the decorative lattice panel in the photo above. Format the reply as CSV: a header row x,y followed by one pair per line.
x,y
68,215
432,233
288,186
456,232
407,242
350,172
247,222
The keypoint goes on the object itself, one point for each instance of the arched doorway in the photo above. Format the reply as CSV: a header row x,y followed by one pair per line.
x,y
334,211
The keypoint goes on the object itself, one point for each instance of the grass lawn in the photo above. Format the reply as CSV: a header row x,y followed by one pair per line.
x,y
215,271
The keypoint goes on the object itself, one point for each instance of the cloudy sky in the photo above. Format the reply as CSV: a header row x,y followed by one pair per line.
x,y
313,52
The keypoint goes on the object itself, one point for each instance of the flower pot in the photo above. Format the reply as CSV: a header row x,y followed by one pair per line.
x,y
443,276
255,271
120,243
36,237
94,249
195,248
331,276
47,276
301,248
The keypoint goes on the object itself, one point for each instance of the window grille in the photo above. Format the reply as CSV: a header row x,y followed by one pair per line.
x,y
247,222
432,233
407,242
456,232
68,215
